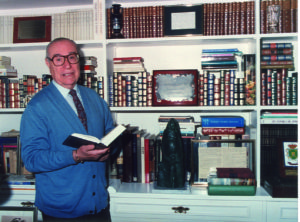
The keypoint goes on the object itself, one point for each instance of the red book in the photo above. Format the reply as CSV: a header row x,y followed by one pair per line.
x,y
147,162
222,131
235,173
263,18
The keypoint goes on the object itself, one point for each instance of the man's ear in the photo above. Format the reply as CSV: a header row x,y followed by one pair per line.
x,y
47,62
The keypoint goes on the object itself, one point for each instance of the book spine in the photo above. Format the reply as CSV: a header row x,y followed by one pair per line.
x,y
274,87
276,45
283,86
222,122
232,181
288,51
147,101
231,190
147,160
276,57
134,158
223,131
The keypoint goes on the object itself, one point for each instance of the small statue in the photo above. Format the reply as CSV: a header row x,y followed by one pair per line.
x,y
171,169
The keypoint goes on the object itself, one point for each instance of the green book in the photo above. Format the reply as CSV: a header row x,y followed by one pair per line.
x,y
228,190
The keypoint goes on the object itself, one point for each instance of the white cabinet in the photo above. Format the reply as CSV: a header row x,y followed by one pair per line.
x,y
282,210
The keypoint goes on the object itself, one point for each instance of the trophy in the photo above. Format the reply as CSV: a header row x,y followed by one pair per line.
x,y
273,16
116,21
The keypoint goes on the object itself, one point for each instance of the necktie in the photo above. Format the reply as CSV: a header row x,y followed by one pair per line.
x,y
80,109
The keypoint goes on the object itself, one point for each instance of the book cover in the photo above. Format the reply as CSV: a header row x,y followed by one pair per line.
x,y
224,121
127,138
234,190
76,140
235,173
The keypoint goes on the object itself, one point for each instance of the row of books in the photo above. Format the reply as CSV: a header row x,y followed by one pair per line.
x,y
10,159
277,55
212,59
230,18
278,16
279,87
231,182
79,24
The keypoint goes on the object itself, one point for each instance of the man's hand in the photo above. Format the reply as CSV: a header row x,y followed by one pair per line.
x,y
89,153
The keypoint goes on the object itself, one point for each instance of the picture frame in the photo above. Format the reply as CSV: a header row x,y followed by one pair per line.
x,y
32,29
175,87
288,158
214,149
18,214
183,20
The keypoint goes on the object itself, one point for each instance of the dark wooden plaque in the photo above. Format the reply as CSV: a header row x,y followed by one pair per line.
x,y
32,29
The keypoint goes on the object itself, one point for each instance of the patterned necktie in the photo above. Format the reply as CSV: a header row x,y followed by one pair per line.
x,y
80,109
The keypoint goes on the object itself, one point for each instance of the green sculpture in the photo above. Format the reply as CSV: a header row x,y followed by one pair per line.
x,y
171,169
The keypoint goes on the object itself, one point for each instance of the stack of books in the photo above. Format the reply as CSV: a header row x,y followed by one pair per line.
x,y
213,59
186,124
279,117
277,56
231,182
128,64
223,127
6,69
88,77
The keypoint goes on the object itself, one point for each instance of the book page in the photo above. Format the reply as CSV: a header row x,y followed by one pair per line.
x,y
112,135
220,157
86,137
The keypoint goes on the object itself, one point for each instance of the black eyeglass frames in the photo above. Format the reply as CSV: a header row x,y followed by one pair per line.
x,y
59,60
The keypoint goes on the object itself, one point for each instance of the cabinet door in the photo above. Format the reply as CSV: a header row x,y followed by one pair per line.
x,y
282,211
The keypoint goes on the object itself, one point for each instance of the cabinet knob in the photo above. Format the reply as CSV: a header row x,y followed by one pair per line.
x,y
180,209
27,204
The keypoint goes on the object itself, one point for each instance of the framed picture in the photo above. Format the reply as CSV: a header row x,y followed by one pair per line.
x,y
207,154
183,20
32,29
288,158
18,214
175,87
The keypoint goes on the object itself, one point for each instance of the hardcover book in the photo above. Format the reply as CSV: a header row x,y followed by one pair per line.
x,y
224,121
76,139
231,190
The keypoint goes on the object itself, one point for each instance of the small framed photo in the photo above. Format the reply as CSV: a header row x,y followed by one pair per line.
x,y
18,214
288,158
175,87
32,29
183,20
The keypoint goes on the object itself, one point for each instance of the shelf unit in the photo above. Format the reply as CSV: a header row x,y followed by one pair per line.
x,y
158,53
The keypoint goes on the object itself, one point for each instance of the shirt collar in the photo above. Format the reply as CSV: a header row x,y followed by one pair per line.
x,y
64,91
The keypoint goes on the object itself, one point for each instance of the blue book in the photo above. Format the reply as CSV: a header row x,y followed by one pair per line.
x,y
219,50
224,121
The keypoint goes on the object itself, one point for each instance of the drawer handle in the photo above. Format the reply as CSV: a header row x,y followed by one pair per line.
x,y
27,204
180,209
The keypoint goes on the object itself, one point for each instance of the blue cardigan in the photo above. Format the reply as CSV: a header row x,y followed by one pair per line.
x,y
63,187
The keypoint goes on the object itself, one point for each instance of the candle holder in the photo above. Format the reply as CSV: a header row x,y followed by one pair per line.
x,y
116,21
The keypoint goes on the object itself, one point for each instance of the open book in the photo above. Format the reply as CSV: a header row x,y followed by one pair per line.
x,y
76,139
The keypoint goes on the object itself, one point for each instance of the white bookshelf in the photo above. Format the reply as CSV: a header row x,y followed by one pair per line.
x,y
158,53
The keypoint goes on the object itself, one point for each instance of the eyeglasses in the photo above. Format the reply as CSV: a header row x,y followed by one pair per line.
x,y
59,60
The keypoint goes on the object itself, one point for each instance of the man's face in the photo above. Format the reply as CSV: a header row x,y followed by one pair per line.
x,y
68,74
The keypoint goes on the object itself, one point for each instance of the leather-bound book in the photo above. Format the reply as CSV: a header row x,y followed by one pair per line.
x,y
238,18
263,17
126,23
161,21
205,19
248,16
230,12
294,15
130,16
252,17
234,24
226,11
217,26
222,11
214,19
286,13
243,18
210,18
